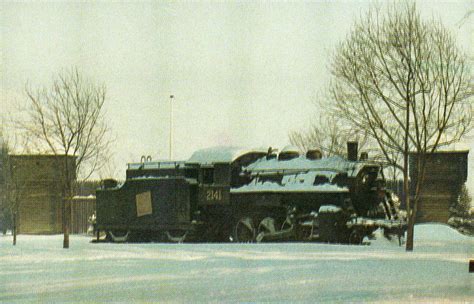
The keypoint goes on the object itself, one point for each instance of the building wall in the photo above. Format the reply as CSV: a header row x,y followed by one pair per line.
x,y
5,221
445,173
3,163
3,173
40,183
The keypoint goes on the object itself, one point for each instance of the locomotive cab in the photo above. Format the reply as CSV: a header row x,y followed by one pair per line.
x,y
217,170
368,191
214,184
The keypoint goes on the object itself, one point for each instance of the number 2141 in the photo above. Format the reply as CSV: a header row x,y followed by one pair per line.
x,y
213,195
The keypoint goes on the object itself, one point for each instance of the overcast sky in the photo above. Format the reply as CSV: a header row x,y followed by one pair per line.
x,y
242,74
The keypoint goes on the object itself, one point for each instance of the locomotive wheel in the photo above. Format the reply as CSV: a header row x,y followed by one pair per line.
x,y
244,230
267,225
119,236
356,237
176,236
286,225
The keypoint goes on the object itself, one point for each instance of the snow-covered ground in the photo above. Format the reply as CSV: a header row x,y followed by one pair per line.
x,y
39,270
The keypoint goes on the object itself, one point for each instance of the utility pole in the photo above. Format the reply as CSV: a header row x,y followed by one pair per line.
x,y
171,127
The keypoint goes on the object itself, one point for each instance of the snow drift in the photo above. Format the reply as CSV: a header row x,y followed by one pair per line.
x,y
38,270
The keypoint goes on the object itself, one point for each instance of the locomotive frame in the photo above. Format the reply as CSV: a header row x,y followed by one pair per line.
x,y
229,194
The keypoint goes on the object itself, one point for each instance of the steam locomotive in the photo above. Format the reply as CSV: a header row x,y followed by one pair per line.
x,y
231,194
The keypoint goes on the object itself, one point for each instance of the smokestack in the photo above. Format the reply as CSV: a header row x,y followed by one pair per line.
x,y
352,147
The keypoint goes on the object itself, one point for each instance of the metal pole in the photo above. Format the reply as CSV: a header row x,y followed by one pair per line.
x,y
171,127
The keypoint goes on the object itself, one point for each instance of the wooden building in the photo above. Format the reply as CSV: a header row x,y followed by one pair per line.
x,y
445,173
39,184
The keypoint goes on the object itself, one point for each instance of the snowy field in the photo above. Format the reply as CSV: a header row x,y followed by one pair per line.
x,y
39,270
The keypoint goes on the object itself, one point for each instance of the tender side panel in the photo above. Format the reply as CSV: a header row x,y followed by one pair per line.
x,y
148,204
111,208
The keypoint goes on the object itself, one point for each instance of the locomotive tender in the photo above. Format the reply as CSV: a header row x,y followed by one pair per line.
x,y
230,194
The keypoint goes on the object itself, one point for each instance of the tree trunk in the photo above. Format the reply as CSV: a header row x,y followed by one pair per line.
x,y
410,232
410,211
66,221
406,186
411,226
14,229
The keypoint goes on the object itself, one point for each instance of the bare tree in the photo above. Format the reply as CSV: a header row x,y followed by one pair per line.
x,y
12,189
16,191
330,135
402,80
67,119
327,135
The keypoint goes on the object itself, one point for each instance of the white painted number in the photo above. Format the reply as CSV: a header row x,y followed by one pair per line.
x,y
213,195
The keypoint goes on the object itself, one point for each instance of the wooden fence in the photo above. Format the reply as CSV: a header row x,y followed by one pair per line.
x,y
82,207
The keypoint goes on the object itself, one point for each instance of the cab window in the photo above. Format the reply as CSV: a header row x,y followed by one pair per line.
x,y
208,175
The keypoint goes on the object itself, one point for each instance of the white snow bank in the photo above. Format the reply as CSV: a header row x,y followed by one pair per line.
x,y
39,270
438,232
380,241
427,235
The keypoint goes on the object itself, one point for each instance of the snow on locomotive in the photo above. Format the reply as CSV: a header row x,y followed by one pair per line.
x,y
229,194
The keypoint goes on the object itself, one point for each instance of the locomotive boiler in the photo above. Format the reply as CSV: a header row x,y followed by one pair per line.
x,y
231,194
